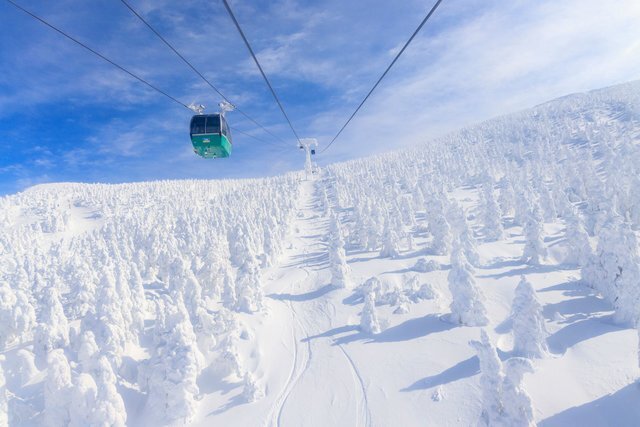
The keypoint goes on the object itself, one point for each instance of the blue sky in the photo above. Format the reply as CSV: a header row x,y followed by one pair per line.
x,y
65,115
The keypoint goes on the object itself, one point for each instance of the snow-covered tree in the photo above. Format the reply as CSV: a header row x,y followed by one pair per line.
x,y
507,197
229,297
390,242
577,241
174,368
368,318
251,390
52,330
88,352
108,323
402,304
249,286
614,269
534,249
491,379
84,393
460,226
467,305
517,405
424,266
25,367
109,409
491,214
228,361
337,257
529,331
441,232
57,389
17,316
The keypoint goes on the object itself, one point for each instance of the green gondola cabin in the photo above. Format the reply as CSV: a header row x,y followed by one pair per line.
x,y
210,136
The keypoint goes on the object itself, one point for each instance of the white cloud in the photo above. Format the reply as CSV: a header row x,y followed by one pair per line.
x,y
509,57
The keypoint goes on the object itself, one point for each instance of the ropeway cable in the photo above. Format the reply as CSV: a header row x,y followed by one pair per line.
x,y
424,21
253,55
120,67
195,70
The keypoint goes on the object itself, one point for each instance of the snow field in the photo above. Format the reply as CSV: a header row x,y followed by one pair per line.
x,y
488,277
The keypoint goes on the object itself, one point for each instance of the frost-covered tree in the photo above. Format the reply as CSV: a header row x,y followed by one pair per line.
x,y
460,226
185,285
57,388
84,394
529,331
517,405
88,352
109,409
229,297
85,295
577,241
441,232
108,324
228,361
249,287
491,214
138,298
467,304
174,367
24,366
337,257
17,316
406,211
614,269
547,203
507,197
368,318
251,390
424,266
52,330
402,303
534,249
491,379
390,241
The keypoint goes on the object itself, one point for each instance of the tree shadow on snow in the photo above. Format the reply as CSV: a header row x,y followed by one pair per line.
x,y
572,288
313,259
463,369
554,239
526,269
501,263
354,299
619,409
413,328
466,368
409,330
308,296
575,309
332,332
584,316
581,330
234,401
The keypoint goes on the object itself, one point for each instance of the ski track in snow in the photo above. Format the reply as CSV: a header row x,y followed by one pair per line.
x,y
300,359
68,252
364,413
300,372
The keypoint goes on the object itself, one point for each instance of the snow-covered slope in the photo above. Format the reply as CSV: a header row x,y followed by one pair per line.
x,y
488,277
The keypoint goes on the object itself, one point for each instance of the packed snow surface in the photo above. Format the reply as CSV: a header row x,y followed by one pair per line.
x,y
490,277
